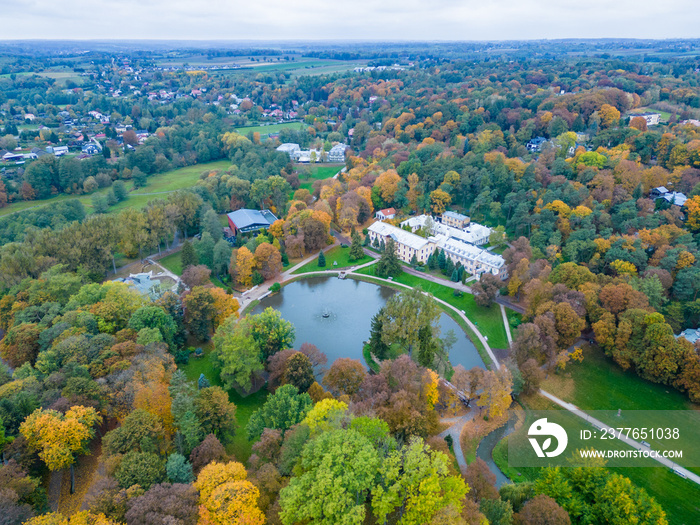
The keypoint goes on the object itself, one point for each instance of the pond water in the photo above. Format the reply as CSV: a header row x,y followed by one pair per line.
x,y
336,314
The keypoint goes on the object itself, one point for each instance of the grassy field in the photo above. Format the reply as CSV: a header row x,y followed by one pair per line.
x,y
173,263
240,447
271,128
318,172
335,254
156,187
679,497
488,320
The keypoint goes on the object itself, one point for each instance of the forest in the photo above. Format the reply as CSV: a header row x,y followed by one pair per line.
x,y
552,150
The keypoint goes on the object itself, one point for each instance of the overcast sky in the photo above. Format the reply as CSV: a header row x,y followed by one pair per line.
x,y
348,19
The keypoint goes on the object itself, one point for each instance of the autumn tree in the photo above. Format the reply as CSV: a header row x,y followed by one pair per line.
x,y
199,312
299,372
496,391
415,485
58,437
268,260
226,496
245,265
177,503
439,200
282,410
197,275
541,510
486,289
345,376
339,466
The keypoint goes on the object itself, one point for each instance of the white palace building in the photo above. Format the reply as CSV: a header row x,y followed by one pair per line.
x,y
460,245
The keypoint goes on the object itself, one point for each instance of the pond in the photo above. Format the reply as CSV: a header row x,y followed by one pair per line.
x,y
336,314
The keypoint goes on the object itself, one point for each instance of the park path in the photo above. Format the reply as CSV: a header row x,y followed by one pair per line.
x,y
455,430
629,441
54,492
506,324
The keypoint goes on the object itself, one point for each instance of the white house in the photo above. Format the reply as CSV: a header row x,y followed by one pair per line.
x,y
337,153
387,213
454,219
407,244
652,119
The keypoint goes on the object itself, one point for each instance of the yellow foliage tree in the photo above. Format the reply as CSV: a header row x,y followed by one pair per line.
x,y
245,264
326,415
58,437
387,184
81,518
623,267
685,259
609,115
692,207
226,496
225,305
439,201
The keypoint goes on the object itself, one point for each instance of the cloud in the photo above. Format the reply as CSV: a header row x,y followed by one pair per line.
x,y
347,20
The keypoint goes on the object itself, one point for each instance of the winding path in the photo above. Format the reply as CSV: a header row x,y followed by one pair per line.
x,y
455,430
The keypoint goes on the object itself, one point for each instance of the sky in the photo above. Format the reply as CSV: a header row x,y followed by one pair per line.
x,y
413,20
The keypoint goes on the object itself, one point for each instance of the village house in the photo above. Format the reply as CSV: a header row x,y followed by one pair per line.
x,y
652,119
387,213
676,198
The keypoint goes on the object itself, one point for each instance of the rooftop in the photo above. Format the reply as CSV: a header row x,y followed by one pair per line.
x,y
402,236
246,218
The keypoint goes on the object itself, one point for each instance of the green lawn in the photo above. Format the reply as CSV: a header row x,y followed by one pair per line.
x,y
678,497
335,254
488,320
597,383
271,128
240,447
173,263
161,184
318,172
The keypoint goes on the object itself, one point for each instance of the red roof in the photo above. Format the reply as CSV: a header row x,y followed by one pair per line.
x,y
388,211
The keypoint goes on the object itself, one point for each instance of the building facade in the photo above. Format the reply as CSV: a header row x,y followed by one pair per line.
x,y
454,219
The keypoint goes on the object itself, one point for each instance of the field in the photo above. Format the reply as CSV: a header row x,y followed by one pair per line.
x,y
318,172
488,320
240,447
156,187
335,254
266,129
678,497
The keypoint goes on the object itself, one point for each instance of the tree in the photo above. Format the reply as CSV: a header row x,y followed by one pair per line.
x,y
496,390
58,437
211,225
345,376
388,264
164,503
245,264
197,275
299,372
269,260
199,312
439,200
609,115
222,257
237,353
210,449
271,332
416,482
356,250
485,289
405,314
178,469
282,410
80,518
188,255
339,467
119,190
378,348
226,496
326,415
99,203
481,481
542,510
205,250
140,468
225,306
215,412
